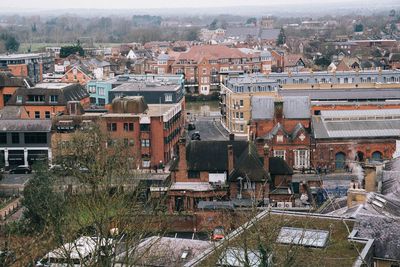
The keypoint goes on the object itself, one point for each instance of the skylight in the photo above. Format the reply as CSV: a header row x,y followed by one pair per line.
x,y
304,237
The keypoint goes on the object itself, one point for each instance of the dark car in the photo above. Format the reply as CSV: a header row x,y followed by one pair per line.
x,y
196,136
21,169
191,127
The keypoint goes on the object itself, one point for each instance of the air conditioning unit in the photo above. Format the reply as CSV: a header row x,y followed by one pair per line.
x,y
288,205
280,205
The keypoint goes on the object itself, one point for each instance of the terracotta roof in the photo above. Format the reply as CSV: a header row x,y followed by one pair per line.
x,y
291,60
197,53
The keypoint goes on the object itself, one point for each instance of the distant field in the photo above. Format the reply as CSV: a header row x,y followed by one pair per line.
x,y
37,47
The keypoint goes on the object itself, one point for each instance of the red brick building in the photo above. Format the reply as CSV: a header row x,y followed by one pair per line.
x,y
46,100
228,171
151,130
203,64
343,138
284,125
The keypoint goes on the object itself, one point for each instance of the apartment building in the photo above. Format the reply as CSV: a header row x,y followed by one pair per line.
x,y
137,85
30,66
236,95
202,65
46,100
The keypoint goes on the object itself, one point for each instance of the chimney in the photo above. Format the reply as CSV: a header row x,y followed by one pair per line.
x,y
230,159
231,137
278,110
266,157
182,154
355,196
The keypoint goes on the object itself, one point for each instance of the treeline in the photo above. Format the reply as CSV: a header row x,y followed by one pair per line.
x,y
66,29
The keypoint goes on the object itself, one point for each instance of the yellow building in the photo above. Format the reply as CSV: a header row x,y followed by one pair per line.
x,y
236,95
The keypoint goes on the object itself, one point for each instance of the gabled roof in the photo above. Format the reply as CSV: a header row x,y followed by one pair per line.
x,y
278,127
278,166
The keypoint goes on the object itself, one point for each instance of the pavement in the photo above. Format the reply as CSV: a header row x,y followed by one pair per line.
x,y
15,179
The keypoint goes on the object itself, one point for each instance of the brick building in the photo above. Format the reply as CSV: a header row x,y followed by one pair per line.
x,y
76,74
341,138
224,171
203,64
30,66
284,125
8,86
152,130
46,100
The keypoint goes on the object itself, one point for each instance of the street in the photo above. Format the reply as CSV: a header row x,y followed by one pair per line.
x,y
210,128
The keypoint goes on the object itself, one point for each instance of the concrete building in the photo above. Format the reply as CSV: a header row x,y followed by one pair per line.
x,y
30,66
146,85
24,142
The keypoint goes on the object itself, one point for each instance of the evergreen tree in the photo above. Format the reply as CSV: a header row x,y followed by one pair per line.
x,y
281,38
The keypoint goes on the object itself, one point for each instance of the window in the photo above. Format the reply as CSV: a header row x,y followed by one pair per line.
x,y
37,114
3,138
92,89
145,127
249,186
280,154
145,163
101,91
241,102
204,71
301,158
241,115
131,142
241,127
168,97
47,114
15,138
19,98
128,127
54,98
36,98
193,174
102,101
35,138
145,143
112,127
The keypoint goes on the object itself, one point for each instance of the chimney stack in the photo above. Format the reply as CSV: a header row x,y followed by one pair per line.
x,y
230,159
182,166
266,157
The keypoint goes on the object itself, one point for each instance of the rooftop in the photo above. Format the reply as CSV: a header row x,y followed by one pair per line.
x,y
19,56
146,87
25,125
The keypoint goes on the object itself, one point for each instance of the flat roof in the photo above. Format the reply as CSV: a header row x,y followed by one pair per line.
x,y
52,85
19,56
145,87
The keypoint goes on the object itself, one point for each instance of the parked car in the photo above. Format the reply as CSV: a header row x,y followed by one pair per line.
x,y
196,136
21,169
218,233
191,126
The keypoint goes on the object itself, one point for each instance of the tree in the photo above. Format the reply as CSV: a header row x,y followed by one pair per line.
x,y
72,49
322,61
281,37
213,25
251,21
95,191
11,43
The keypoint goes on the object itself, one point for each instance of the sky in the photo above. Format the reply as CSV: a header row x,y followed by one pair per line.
x,y
142,4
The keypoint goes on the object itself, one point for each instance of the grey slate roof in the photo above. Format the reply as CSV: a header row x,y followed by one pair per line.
x,y
296,107
262,107
65,93
25,125
323,129
293,107
344,94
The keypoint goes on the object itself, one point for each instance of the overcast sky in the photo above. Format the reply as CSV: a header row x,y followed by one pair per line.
x,y
143,4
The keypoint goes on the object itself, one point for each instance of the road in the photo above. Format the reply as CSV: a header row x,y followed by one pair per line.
x,y
210,128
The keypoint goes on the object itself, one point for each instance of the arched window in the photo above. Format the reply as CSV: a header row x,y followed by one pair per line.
x,y
359,156
340,159
377,156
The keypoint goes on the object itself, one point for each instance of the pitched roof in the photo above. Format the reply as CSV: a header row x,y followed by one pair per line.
x,y
213,52
278,166
294,107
